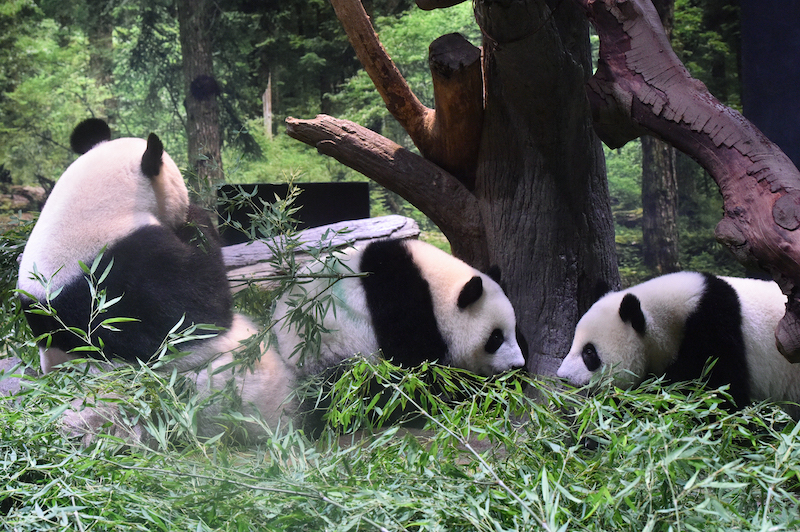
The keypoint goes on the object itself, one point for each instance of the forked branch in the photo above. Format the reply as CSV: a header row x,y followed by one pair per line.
x,y
448,136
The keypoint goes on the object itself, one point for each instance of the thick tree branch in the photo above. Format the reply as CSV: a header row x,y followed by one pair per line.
x,y
448,136
641,81
432,190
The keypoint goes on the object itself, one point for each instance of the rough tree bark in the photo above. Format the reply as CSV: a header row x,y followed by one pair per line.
x,y
101,45
195,20
640,86
659,206
535,199
660,186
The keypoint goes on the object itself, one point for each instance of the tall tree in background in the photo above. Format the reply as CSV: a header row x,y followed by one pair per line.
x,y
100,31
196,20
660,187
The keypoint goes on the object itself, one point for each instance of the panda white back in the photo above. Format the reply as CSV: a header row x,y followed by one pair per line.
x,y
102,197
411,305
771,375
673,324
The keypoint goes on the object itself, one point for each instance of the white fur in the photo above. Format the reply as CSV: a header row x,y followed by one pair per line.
x,y
666,302
266,389
465,331
106,195
350,329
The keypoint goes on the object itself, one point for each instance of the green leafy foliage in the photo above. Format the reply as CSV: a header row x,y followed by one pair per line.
x,y
657,458
427,448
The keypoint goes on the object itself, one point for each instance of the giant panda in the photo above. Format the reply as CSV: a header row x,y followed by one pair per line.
x,y
407,301
126,199
675,324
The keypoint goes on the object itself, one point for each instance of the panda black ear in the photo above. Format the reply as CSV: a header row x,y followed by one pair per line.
x,y
151,160
630,310
601,288
89,134
471,292
494,273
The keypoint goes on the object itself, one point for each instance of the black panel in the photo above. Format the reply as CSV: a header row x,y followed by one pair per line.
x,y
321,204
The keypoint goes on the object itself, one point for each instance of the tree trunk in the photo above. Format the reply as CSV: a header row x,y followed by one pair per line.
x,y
195,20
541,182
659,206
101,45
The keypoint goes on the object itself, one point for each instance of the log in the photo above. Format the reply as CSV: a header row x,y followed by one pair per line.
x,y
249,263
641,86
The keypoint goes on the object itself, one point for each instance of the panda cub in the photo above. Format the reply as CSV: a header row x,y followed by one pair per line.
x,y
413,303
674,324
126,199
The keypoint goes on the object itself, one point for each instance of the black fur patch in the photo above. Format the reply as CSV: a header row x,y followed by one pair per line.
x,y
88,134
714,330
151,160
471,292
160,278
630,310
401,306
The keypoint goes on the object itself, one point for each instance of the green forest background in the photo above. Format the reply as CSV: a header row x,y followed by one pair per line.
x,y
61,62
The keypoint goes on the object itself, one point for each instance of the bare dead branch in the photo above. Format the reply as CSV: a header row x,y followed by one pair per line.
x,y
438,194
443,136
640,79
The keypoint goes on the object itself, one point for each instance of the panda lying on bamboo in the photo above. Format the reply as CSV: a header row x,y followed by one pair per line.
x,y
675,324
126,199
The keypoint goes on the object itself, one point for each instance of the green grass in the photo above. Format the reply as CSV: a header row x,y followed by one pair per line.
x,y
650,459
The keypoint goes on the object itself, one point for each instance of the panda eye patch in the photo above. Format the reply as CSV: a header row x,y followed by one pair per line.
x,y
494,342
590,358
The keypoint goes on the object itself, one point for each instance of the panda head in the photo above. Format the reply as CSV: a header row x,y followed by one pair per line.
x,y
613,334
111,190
137,170
474,316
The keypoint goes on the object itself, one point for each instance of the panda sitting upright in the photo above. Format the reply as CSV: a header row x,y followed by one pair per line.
x,y
674,324
126,199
